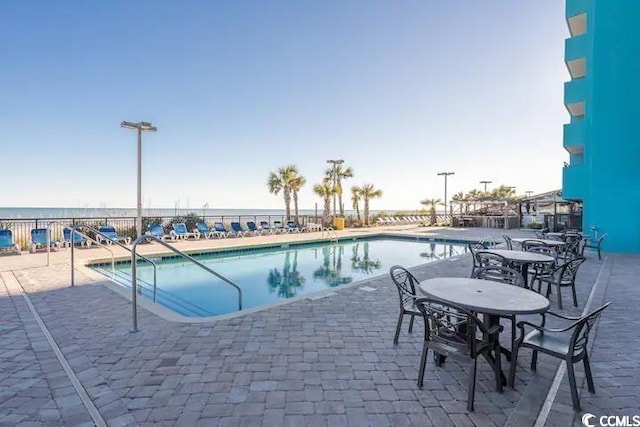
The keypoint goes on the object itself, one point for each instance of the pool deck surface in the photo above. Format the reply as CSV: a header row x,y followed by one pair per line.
x,y
67,356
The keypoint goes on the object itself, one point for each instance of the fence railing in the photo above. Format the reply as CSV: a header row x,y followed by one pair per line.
x,y
125,226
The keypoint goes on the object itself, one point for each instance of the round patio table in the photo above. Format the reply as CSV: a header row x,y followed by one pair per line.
x,y
548,242
521,258
493,299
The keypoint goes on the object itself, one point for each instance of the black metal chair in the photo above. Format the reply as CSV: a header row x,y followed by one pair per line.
x,y
562,276
593,245
568,344
542,269
406,284
509,242
487,259
452,331
474,248
528,244
507,275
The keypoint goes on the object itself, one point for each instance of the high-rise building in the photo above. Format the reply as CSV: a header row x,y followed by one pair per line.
x,y
603,135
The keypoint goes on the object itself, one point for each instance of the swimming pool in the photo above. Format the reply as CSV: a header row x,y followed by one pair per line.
x,y
269,275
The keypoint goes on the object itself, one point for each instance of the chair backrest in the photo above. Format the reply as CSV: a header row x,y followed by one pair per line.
x,y
180,228
235,226
405,283
265,225
568,270
528,244
77,238
509,242
544,250
499,273
277,224
580,336
449,326
202,227
218,226
292,224
474,248
39,236
251,226
486,259
106,229
156,230
540,235
6,237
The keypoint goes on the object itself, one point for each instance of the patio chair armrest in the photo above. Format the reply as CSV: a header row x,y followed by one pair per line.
x,y
562,317
542,328
495,329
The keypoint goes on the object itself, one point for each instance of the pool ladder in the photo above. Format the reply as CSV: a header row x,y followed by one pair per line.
x,y
134,273
329,233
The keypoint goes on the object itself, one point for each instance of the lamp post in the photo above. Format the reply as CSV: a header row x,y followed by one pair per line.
x,y
204,210
445,174
140,126
485,184
335,182
528,193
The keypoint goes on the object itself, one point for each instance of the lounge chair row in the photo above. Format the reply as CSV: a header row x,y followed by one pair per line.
x,y
202,230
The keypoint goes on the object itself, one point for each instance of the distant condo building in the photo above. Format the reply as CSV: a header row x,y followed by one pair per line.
x,y
603,135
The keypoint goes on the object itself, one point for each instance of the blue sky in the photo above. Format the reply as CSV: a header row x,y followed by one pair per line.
x,y
398,89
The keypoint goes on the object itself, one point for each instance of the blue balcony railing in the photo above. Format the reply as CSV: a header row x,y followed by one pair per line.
x,y
574,182
576,90
575,7
574,136
577,47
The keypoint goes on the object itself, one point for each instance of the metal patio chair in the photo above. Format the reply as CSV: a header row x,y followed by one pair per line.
x,y
406,284
509,242
568,344
563,276
452,331
588,243
474,248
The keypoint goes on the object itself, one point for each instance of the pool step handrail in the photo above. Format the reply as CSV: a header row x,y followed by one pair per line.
x,y
188,257
74,230
330,233
155,266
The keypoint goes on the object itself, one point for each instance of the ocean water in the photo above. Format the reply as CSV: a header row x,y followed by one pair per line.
x,y
22,212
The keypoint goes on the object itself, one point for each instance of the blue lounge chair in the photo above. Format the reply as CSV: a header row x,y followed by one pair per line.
x,y
156,230
7,243
202,229
39,240
112,235
253,228
180,232
219,230
77,238
266,228
292,227
277,226
237,230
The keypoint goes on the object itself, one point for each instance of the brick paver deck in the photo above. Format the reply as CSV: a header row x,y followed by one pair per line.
x,y
325,362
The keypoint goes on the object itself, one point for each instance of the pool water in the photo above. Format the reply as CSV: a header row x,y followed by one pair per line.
x,y
272,274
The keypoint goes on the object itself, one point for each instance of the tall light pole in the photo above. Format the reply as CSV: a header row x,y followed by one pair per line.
x,y
485,184
528,193
140,126
445,174
335,182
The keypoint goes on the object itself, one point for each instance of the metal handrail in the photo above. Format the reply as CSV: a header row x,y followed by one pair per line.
x,y
330,232
155,266
71,242
134,296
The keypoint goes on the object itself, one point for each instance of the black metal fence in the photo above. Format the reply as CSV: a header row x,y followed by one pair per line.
x,y
125,226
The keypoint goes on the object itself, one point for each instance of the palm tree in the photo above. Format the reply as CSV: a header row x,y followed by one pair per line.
x,y
432,203
355,199
281,180
296,185
337,174
325,190
503,192
287,282
368,192
472,196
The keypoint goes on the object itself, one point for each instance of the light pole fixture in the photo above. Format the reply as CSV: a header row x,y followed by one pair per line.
x,y
485,184
140,126
445,174
335,182
528,193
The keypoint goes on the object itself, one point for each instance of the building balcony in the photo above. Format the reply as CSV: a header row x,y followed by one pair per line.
x,y
576,50
574,136
574,182
575,95
577,7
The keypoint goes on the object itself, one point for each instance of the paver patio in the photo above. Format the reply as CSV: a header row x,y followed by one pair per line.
x,y
327,361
